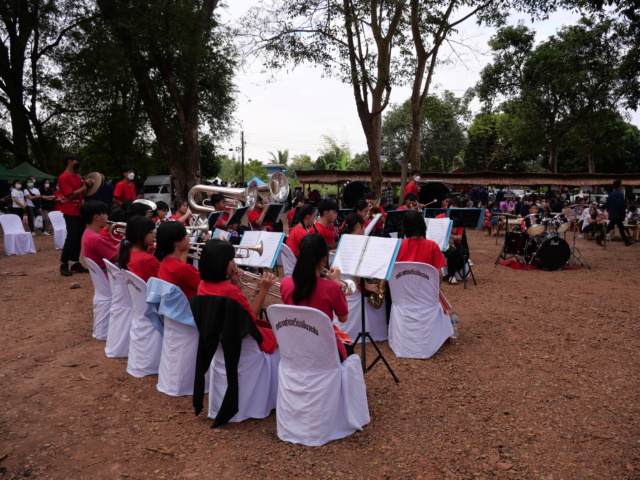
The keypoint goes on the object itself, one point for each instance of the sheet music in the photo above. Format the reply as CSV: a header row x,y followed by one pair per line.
x,y
438,230
348,254
271,242
378,256
372,224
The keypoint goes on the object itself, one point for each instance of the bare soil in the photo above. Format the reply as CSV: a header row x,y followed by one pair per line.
x,y
542,384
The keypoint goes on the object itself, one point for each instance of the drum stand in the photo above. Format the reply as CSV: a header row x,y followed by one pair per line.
x,y
364,334
576,254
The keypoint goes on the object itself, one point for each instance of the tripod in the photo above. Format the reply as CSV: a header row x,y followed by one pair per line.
x,y
364,334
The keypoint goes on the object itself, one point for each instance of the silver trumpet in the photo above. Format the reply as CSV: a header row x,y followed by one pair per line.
x,y
242,251
349,287
255,287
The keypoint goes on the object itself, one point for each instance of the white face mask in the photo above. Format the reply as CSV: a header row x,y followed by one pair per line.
x,y
29,185
131,176
417,178
18,186
46,185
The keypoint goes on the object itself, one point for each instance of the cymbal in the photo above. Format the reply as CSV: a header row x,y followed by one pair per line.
x,y
509,215
98,180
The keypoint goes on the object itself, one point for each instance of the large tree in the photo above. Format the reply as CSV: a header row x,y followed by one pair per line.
x,y
167,45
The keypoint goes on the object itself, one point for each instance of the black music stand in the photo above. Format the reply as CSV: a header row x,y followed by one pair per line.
x,y
272,215
213,219
466,218
238,215
393,222
433,212
364,334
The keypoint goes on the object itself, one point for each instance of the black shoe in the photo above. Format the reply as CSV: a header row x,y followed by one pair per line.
x,y
64,270
598,241
78,268
628,243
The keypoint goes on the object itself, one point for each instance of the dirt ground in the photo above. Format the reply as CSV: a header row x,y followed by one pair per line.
x,y
542,384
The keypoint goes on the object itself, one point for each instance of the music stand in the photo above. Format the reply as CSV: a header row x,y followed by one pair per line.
x,y
272,215
237,216
433,212
393,222
213,218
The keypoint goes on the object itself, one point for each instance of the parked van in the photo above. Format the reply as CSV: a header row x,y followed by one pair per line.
x,y
158,187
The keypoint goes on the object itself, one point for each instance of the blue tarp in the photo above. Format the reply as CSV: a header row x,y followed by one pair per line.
x,y
257,180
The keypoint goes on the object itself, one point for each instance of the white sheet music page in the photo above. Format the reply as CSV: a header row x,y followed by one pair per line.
x,y
372,224
271,242
249,238
349,252
438,230
379,254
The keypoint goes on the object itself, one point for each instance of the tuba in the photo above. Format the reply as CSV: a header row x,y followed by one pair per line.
x,y
277,189
246,196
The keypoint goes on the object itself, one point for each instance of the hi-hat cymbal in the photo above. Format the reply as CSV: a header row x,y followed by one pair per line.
x,y
98,179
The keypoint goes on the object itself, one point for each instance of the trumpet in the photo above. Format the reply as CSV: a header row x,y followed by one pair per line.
x,y
239,248
117,230
349,287
256,287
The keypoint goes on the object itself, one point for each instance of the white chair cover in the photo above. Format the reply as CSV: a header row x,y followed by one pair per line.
x,y
288,260
16,240
418,325
178,360
59,229
319,399
145,345
375,318
101,300
118,336
257,382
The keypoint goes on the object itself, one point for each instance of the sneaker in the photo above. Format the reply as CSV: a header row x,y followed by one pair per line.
x,y
453,281
78,268
33,234
46,233
580,236
64,270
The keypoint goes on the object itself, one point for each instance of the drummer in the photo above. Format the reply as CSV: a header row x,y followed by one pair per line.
x,y
533,210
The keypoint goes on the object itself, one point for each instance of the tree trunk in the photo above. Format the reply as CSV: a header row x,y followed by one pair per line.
x,y
591,161
553,158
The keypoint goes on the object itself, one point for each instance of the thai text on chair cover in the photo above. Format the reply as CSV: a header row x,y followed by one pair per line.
x,y
375,318
220,320
418,325
145,346
319,398
118,337
169,311
59,229
101,300
16,240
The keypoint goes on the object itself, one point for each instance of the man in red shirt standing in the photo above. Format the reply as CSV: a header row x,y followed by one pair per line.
x,y
328,210
73,189
125,189
412,186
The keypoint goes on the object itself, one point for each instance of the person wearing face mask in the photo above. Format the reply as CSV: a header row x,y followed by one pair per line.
x,y
125,189
74,189
47,206
19,206
33,200
412,187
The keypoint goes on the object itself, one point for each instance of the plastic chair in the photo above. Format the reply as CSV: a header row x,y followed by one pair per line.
x,y
118,336
319,398
16,240
145,345
59,229
257,381
180,338
418,325
101,300
375,318
287,259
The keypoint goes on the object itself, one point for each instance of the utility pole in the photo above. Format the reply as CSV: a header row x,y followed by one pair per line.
x,y
242,140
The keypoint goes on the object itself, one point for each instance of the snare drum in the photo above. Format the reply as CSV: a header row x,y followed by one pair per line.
x,y
515,242
533,224
561,223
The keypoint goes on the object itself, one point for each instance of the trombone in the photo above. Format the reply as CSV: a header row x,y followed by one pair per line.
x,y
348,286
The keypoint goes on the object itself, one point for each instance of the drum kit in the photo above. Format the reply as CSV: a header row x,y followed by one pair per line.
x,y
540,245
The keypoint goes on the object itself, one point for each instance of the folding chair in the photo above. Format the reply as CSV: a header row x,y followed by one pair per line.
x,y
16,240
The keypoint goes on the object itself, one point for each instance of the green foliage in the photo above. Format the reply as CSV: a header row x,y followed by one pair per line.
x,y
254,168
333,155
299,162
281,158
360,162
210,162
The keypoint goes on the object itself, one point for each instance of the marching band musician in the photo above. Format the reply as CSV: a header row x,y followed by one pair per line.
x,y
308,290
325,226
181,207
456,249
141,234
172,242
306,214
412,186
415,247
160,215
117,215
410,202
216,267
125,188
96,246
370,199
256,215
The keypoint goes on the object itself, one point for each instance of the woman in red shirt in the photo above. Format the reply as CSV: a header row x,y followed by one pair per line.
x,y
172,242
306,214
182,212
308,290
415,247
141,234
216,267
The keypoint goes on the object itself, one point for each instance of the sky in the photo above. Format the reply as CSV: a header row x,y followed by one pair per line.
x,y
296,108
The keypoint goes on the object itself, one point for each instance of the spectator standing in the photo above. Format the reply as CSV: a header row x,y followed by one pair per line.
x,y
616,209
387,192
33,200
47,206
18,205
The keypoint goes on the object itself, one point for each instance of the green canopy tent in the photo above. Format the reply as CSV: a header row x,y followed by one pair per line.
x,y
6,174
27,170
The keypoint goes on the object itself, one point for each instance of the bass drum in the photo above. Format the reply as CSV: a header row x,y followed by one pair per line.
x,y
548,253
353,192
431,191
515,242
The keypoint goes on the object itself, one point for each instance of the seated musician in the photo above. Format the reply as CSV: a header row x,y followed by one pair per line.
x,y
96,246
298,202
533,210
410,202
308,289
172,242
496,219
306,215
415,247
325,226
138,208
379,228
354,225
456,249
182,212
220,276
141,234
117,215
161,213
